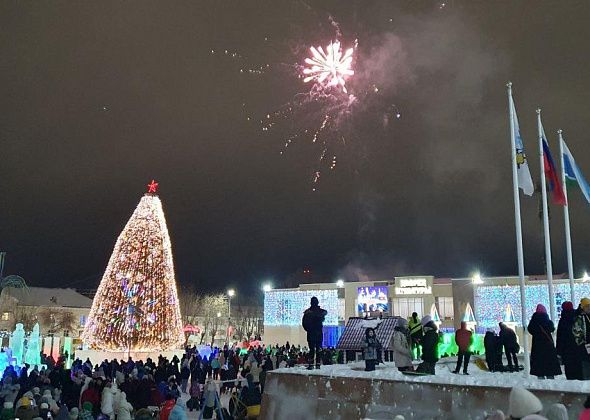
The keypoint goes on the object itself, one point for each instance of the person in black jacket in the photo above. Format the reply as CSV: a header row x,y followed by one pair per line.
x,y
544,363
429,346
511,347
566,344
313,320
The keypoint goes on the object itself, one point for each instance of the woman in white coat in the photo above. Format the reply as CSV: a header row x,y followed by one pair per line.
x,y
125,408
107,403
402,354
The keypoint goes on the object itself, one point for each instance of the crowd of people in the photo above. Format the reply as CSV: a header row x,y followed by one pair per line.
x,y
153,388
150,389
419,339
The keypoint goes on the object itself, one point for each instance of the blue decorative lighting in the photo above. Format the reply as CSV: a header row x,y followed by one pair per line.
x,y
491,301
286,307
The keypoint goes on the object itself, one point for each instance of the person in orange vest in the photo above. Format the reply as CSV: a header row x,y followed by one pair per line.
x,y
464,339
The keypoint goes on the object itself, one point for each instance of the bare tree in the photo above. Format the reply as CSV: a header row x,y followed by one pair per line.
x,y
189,303
246,321
26,316
56,320
209,306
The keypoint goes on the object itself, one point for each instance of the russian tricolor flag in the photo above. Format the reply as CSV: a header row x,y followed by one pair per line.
x,y
551,175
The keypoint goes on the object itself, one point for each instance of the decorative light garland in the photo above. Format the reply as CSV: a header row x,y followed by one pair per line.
x,y
491,301
286,307
136,305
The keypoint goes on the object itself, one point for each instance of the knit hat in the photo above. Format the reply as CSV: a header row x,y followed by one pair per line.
x,y
584,302
44,406
74,413
425,320
567,306
401,323
23,402
585,415
28,394
557,412
541,309
522,403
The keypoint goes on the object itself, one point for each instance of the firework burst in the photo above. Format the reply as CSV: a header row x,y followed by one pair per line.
x,y
331,67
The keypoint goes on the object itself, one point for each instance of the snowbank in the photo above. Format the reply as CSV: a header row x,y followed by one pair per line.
x,y
476,377
348,392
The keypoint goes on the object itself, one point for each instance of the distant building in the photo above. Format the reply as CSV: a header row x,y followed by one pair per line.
x,y
492,299
283,308
61,312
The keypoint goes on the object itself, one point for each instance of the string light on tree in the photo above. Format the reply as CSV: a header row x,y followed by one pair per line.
x,y
136,305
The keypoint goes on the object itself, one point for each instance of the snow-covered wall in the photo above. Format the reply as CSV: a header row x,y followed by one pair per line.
x,y
341,392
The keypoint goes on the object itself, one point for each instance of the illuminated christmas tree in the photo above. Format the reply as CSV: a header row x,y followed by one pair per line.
x,y
136,305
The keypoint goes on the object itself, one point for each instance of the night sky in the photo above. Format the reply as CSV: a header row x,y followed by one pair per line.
x,y
98,98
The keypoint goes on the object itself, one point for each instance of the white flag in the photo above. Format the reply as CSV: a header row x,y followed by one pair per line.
x,y
525,182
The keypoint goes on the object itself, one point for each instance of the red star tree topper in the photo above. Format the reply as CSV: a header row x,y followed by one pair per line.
x,y
153,187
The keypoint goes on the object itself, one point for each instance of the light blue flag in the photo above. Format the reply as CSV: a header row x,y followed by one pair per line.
x,y
573,174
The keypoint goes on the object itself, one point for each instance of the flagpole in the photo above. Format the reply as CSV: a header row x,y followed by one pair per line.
x,y
566,218
518,225
548,264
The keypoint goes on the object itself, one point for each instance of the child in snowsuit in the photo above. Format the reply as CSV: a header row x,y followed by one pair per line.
x,y
371,349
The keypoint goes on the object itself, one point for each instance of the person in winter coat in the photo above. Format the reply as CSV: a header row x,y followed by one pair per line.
x,y
566,343
511,347
185,373
544,361
25,409
125,408
585,415
493,349
581,332
557,411
463,339
416,334
167,407
371,347
8,411
91,395
107,402
255,371
523,403
178,412
429,346
312,322
402,354
195,393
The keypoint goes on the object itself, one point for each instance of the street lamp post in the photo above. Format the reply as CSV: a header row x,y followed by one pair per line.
x,y
230,294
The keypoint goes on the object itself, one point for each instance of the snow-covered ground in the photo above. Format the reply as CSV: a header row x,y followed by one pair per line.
x,y
476,377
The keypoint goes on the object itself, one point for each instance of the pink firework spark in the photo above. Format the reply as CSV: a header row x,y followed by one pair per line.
x,y
329,68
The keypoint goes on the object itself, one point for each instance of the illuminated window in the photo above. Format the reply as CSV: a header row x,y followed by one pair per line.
x,y
445,307
405,306
5,316
82,320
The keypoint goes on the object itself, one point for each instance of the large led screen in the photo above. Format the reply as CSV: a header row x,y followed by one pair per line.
x,y
372,299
